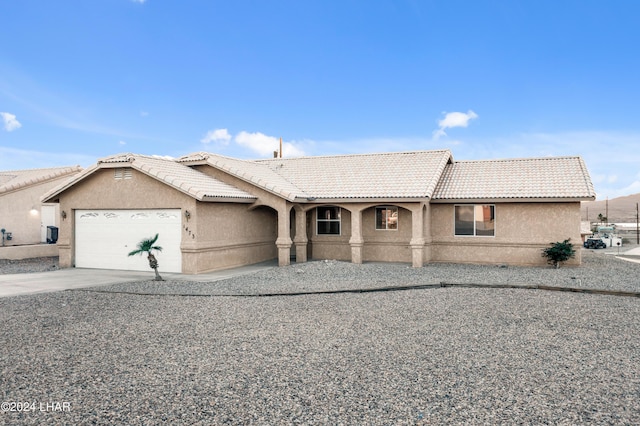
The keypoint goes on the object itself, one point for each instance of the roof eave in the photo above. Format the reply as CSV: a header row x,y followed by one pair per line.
x,y
238,200
254,181
190,163
160,177
62,173
346,200
53,195
512,200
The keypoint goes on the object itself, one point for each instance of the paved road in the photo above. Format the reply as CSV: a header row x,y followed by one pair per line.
x,y
40,282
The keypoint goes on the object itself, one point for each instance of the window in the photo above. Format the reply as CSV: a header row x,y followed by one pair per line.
x,y
475,220
386,218
328,220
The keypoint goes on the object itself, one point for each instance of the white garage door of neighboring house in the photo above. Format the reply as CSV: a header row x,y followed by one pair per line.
x,y
105,237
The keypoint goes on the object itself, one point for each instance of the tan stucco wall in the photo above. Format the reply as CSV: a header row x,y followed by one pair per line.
x,y
216,236
264,197
334,247
102,191
282,207
223,235
28,251
387,245
17,217
379,246
522,231
229,235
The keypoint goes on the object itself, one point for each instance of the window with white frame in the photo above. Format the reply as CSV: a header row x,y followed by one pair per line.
x,y
328,220
475,220
386,218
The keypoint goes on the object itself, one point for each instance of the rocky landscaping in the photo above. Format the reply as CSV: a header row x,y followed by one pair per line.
x,y
194,354
25,266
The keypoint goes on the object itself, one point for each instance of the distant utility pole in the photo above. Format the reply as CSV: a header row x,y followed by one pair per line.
x,y
637,226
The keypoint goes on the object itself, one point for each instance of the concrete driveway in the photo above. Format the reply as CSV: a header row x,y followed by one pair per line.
x,y
63,279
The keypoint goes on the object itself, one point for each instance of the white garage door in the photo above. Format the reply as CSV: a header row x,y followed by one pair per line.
x,y
105,237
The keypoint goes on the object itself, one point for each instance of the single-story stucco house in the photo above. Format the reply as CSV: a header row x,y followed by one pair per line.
x,y
214,212
21,213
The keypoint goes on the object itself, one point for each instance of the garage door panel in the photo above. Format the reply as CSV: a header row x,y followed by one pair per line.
x,y
105,237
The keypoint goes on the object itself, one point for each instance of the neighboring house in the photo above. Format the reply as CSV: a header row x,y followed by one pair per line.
x,y
585,230
214,212
21,212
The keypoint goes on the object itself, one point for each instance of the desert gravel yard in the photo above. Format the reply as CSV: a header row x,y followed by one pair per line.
x,y
424,356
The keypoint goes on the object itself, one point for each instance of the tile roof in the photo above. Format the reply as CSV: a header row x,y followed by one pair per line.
x,y
396,175
389,176
254,172
168,171
358,176
527,178
13,180
188,180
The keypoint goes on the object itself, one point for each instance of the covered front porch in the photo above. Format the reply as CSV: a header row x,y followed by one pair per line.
x,y
356,232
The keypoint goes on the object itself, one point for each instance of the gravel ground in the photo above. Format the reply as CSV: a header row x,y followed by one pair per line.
x,y
25,266
426,356
599,270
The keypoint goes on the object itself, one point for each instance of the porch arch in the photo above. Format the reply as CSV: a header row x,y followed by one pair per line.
x,y
387,232
283,240
359,240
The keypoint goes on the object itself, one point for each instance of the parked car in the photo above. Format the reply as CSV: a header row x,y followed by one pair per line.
x,y
594,243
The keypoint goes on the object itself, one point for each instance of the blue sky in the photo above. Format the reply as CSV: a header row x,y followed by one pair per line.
x,y
487,79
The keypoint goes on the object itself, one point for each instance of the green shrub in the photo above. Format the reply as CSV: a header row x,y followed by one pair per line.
x,y
559,252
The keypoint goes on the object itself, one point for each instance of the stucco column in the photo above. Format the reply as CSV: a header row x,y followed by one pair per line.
x,y
417,236
66,235
284,237
301,240
428,237
356,241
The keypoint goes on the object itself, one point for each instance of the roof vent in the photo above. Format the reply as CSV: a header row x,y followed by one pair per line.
x,y
122,173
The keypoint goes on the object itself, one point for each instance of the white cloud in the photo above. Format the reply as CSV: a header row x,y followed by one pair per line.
x,y
265,145
453,119
122,143
258,142
221,136
10,122
144,114
139,1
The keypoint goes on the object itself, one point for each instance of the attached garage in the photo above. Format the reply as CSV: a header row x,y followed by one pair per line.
x,y
103,238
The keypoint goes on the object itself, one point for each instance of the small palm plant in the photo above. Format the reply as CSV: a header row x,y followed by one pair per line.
x,y
147,246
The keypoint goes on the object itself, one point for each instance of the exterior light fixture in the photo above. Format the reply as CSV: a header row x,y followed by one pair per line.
x,y
187,214
33,211
63,214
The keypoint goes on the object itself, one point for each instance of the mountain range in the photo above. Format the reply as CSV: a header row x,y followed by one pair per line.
x,y
621,209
